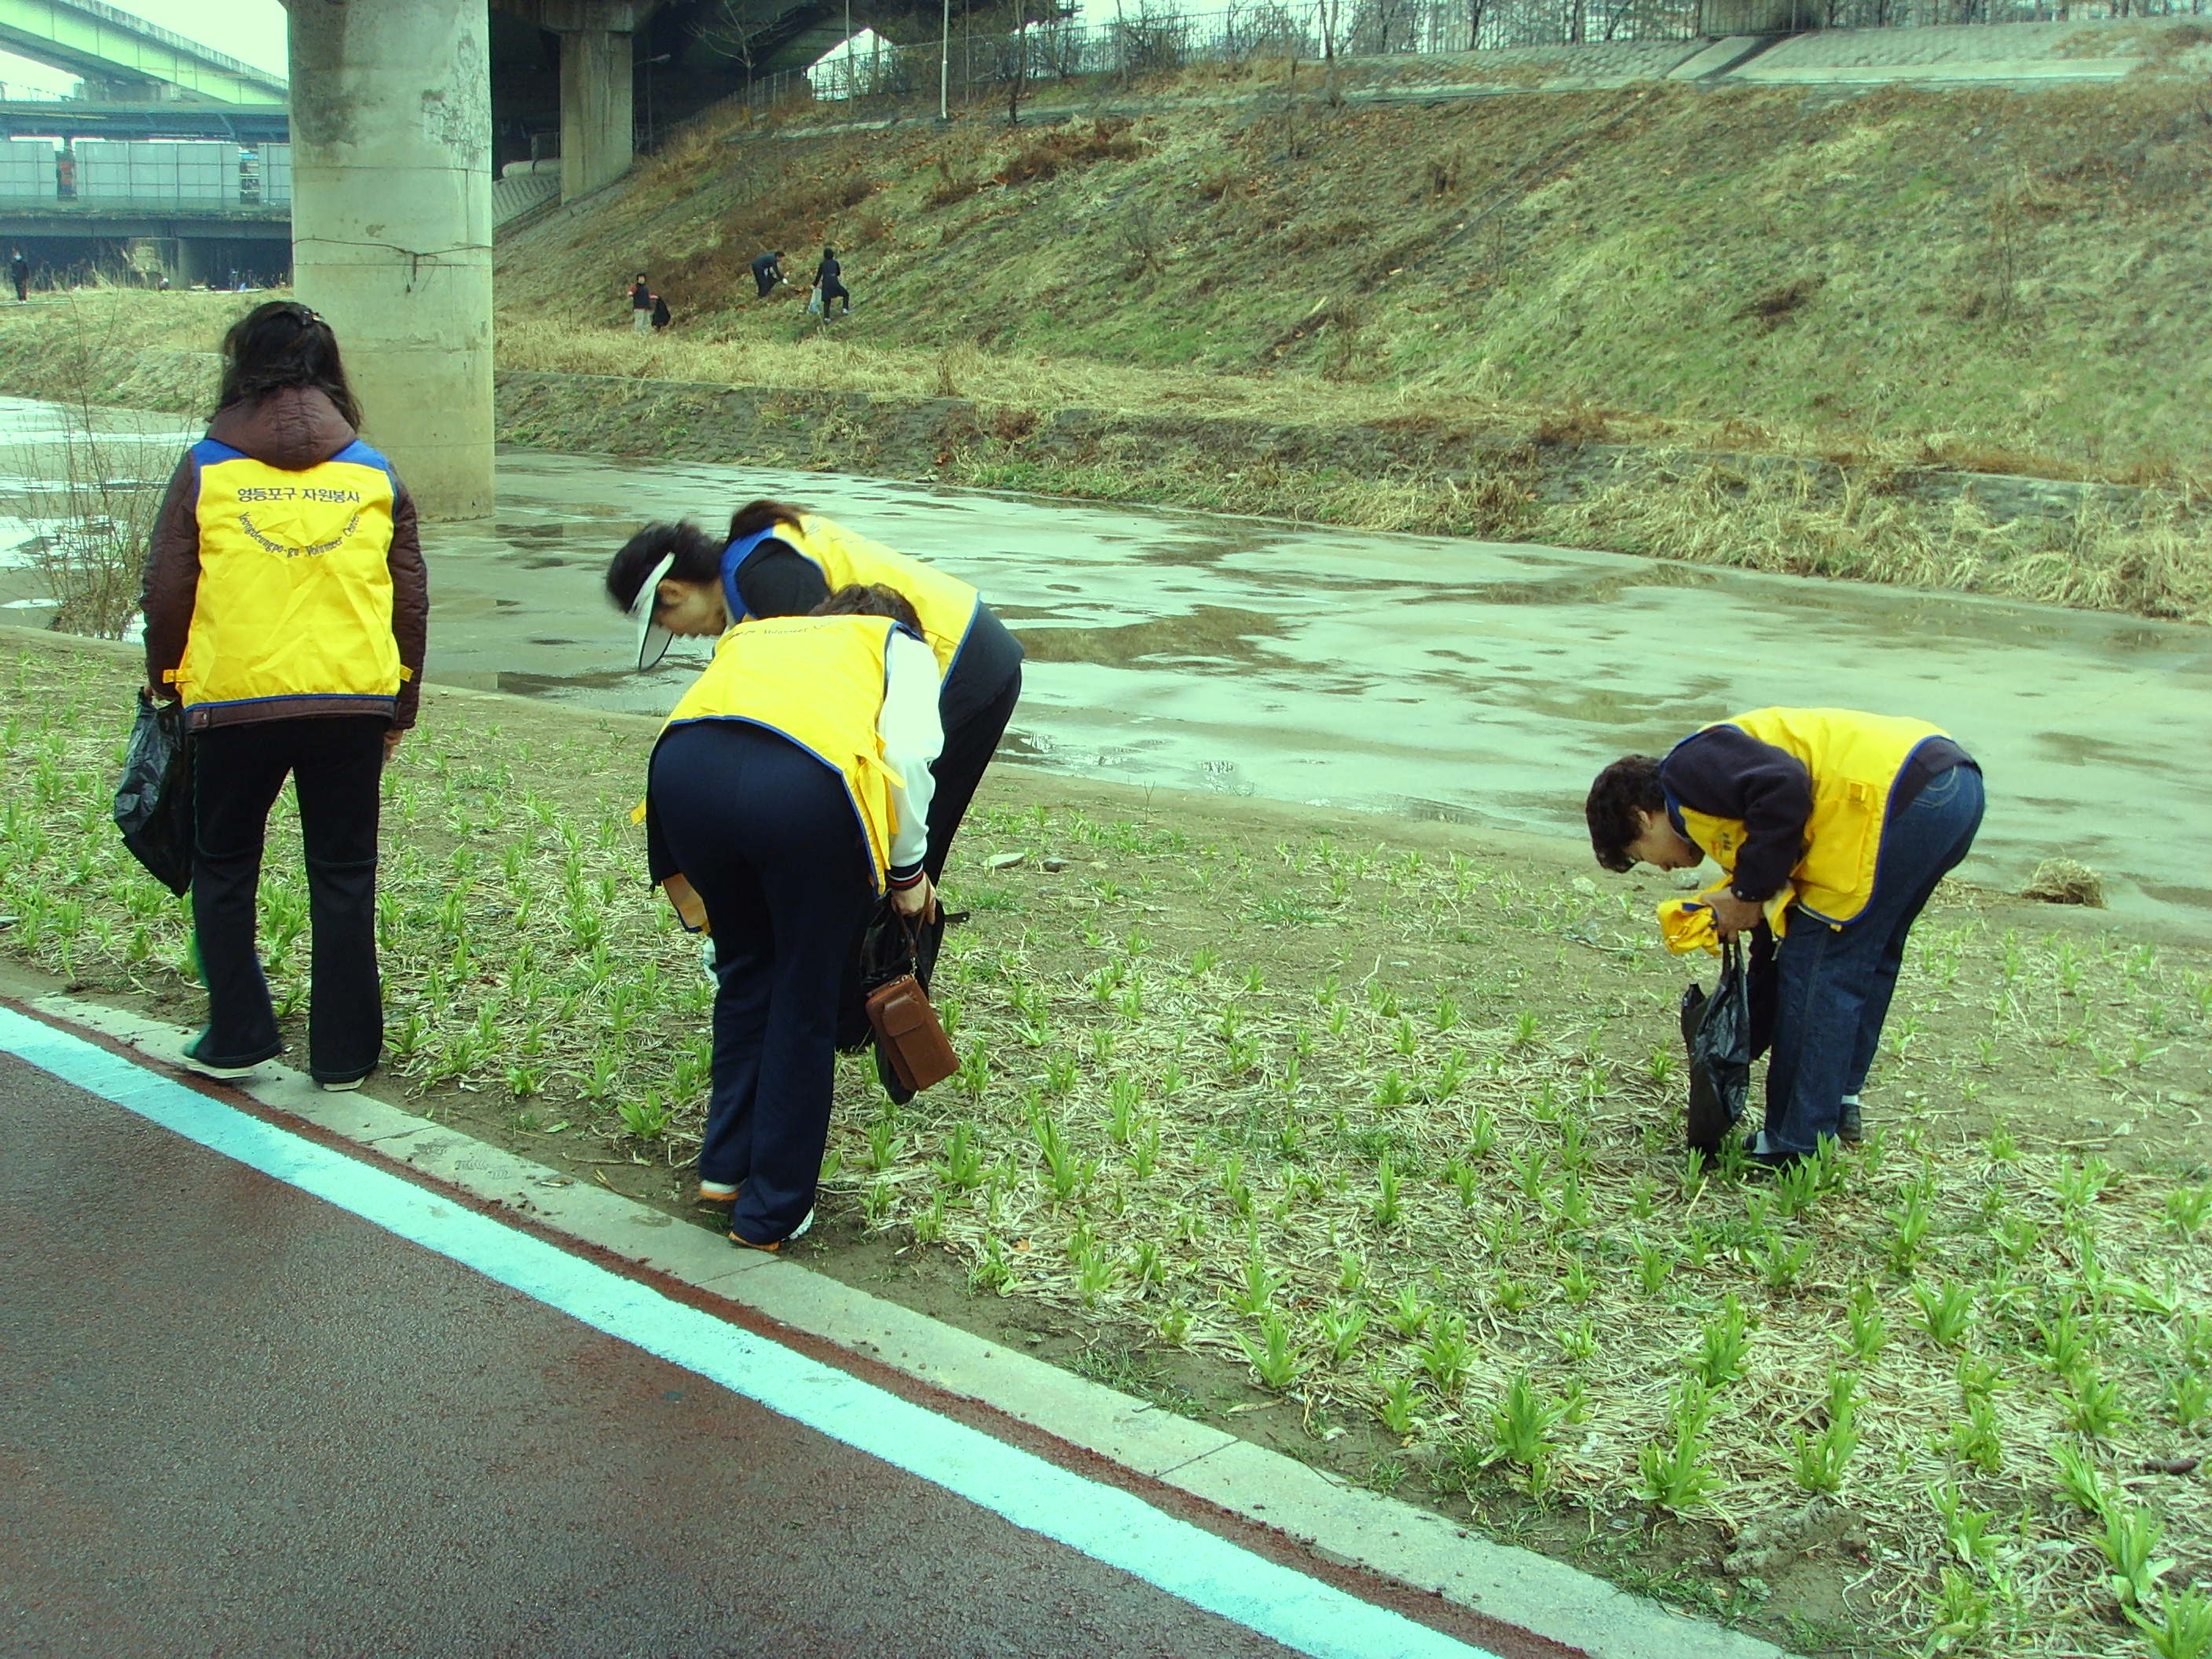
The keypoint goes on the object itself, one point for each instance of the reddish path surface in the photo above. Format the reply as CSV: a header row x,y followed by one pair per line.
x,y
235,1420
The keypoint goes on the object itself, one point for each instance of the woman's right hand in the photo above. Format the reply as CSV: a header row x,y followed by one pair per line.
x,y
917,903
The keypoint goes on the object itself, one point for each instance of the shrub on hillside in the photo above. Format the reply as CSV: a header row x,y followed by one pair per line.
x,y
1107,139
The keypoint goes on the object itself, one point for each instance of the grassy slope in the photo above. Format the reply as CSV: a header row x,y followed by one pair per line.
x,y
2003,279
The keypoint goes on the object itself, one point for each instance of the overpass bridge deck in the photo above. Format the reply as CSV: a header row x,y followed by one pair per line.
x,y
108,47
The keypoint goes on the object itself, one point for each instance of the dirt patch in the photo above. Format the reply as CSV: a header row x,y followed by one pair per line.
x,y
1364,1148
1106,139
1779,305
1215,632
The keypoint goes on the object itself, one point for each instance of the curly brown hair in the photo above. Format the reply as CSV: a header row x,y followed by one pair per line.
x,y
1624,791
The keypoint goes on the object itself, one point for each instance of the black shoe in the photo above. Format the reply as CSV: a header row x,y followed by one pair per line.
x,y
1847,1123
1758,1161
226,1070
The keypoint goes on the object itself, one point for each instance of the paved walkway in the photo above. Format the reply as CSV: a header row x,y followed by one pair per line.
x,y
238,1417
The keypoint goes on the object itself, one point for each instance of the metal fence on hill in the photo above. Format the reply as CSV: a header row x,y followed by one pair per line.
x,y
1151,38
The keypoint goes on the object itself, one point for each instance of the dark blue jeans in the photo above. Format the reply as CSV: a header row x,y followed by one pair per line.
x,y
1833,984
767,835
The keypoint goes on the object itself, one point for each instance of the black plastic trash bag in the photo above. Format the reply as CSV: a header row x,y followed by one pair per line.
x,y
1718,1030
885,949
154,802
888,948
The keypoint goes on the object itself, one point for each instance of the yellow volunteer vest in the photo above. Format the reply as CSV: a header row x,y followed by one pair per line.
x,y
294,597
945,604
1854,760
819,682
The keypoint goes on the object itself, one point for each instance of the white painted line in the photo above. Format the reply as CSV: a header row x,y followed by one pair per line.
x,y
1103,1523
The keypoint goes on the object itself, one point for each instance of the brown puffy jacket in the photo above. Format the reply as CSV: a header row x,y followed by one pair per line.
x,y
295,428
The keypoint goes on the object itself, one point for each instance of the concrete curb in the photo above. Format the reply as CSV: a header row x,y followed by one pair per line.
x,y
1347,1526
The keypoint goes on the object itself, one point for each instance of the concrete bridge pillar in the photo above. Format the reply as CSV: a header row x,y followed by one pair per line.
x,y
597,135
391,227
192,265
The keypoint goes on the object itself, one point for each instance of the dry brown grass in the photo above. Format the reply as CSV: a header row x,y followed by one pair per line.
x,y
2154,560
1109,138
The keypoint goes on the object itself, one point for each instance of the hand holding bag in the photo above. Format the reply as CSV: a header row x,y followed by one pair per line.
x,y
1718,1030
908,1034
154,801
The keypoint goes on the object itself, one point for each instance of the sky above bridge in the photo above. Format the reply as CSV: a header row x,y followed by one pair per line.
x,y
251,31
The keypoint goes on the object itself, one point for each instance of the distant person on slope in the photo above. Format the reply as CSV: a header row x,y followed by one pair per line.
x,y
641,305
767,272
287,610
20,269
829,284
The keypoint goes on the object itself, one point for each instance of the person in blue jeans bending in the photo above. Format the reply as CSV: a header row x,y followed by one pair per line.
x,y
1855,818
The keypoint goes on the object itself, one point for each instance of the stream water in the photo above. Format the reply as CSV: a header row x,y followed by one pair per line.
x,y
1406,675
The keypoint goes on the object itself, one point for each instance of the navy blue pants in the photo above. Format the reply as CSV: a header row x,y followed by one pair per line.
x,y
336,763
768,836
971,737
1833,984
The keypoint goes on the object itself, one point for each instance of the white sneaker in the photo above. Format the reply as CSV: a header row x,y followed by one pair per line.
x,y
182,1055
799,1231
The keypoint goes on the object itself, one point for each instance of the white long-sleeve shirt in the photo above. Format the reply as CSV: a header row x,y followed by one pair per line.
x,y
912,737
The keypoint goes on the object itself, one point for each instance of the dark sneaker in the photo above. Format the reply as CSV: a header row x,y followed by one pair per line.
x,y
1847,1123
1760,1160
223,1071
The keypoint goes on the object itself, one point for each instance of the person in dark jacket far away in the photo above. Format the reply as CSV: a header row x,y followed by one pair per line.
x,y
1851,820
768,271
19,268
829,277
286,608
661,314
641,304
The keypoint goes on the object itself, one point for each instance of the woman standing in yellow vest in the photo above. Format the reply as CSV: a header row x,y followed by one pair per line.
x,y
1855,818
782,560
789,791
286,608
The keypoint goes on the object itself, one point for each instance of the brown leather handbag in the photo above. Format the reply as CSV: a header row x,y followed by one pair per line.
x,y
908,1034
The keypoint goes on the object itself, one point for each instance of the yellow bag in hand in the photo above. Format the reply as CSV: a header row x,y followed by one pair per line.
x,y
1686,924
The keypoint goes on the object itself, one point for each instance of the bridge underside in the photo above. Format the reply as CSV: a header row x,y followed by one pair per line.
x,y
682,56
120,57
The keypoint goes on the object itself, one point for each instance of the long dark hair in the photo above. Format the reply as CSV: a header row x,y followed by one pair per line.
x,y
698,559
756,516
279,344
